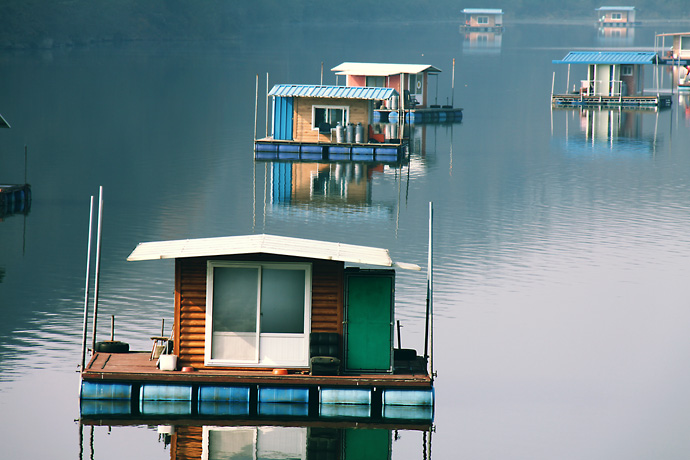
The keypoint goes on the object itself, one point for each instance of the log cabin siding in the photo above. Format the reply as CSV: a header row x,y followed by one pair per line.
x,y
190,302
359,110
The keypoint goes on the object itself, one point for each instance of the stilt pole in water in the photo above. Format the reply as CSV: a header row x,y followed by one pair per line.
x,y
86,288
430,277
256,104
266,104
98,265
452,87
429,288
321,73
25,164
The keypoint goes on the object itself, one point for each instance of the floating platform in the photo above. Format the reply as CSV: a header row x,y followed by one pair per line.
x,y
271,149
129,384
577,100
15,199
441,114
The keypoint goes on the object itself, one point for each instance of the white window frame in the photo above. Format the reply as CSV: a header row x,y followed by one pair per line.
x,y
626,70
483,20
616,16
265,340
344,108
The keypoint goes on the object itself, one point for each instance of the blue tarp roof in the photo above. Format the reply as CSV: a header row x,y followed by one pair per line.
x,y
608,57
340,92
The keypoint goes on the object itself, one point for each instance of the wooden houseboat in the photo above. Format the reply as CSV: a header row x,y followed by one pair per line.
x,y
483,19
614,78
616,16
327,123
270,319
409,80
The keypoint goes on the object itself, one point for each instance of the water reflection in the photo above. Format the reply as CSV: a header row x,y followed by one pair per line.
x,y
616,36
598,131
273,440
482,42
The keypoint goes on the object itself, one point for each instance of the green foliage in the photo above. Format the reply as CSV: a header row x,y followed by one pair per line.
x,y
47,23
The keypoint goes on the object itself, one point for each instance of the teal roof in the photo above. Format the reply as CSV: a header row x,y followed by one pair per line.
x,y
615,8
608,57
340,92
482,11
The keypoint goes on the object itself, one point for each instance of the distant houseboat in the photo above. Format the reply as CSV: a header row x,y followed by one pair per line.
x,y
327,123
485,19
616,16
263,318
679,53
409,80
614,78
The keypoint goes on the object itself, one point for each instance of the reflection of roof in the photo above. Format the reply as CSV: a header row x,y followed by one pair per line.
x,y
3,122
381,70
264,244
482,11
615,8
341,92
608,57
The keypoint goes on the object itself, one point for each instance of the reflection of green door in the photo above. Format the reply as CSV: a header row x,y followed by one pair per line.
x,y
365,444
369,320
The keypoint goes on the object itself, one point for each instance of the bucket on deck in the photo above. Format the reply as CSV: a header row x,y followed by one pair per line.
x,y
167,362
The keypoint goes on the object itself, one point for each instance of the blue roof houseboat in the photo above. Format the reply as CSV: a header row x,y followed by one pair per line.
x,y
327,123
616,16
272,319
614,79
486,19
409,80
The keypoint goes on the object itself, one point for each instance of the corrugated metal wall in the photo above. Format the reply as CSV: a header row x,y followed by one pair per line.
x,y
190,296
282,118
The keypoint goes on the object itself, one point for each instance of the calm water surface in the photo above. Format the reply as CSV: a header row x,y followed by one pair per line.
x,y
561,242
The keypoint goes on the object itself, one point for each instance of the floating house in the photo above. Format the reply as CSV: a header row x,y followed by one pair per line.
x,y
679,52
331,123
486,19
409,80
616,16
271,319
614,78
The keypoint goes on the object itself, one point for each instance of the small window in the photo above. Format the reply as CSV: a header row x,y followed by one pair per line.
x,y
376,82
482,19
616,16
627,70
329,114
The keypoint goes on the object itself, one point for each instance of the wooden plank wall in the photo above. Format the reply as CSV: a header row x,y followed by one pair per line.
x,y
190,303
302,130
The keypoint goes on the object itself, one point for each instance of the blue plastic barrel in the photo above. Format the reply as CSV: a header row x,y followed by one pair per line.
x,y
153,392
283,395
345,396
98,390
105,407
345,410
408,412
408,397
219,393
281,409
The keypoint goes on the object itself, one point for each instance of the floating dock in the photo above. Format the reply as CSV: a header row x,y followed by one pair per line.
x,y
15,199
272,149
640,102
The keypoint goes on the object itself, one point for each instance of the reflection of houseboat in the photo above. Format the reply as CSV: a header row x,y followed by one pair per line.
x,y
15,199
279,439
616,16
482,42
327,123
409,80
269,319
483,19
614,78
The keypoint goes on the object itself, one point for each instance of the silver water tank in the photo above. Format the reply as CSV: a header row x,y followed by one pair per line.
x,y
350,133
359,133
394,102
339,133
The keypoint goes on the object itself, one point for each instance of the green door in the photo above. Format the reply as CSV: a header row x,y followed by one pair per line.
x,y
369,320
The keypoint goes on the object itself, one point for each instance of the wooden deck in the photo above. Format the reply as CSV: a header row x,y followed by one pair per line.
x,y
135,367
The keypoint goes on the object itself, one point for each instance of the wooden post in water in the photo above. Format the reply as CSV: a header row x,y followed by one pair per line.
x,y
452,87
98,266
86,288
266,104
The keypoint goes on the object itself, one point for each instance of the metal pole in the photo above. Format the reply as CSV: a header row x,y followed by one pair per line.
x,y
98,265
86,288
321,73
452,87
430,277
553,81
25,164
266,104
567,82
256,104
112,328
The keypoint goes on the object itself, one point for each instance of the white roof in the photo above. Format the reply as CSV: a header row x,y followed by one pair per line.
x,y
266,244
381,70
482,11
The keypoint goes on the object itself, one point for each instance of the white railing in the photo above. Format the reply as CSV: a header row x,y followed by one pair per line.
x,y
615,87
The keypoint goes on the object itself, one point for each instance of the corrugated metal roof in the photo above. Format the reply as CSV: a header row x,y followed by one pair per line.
x,y
341,92
374,69
681,34
608,57
615,8
265,244
482,11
